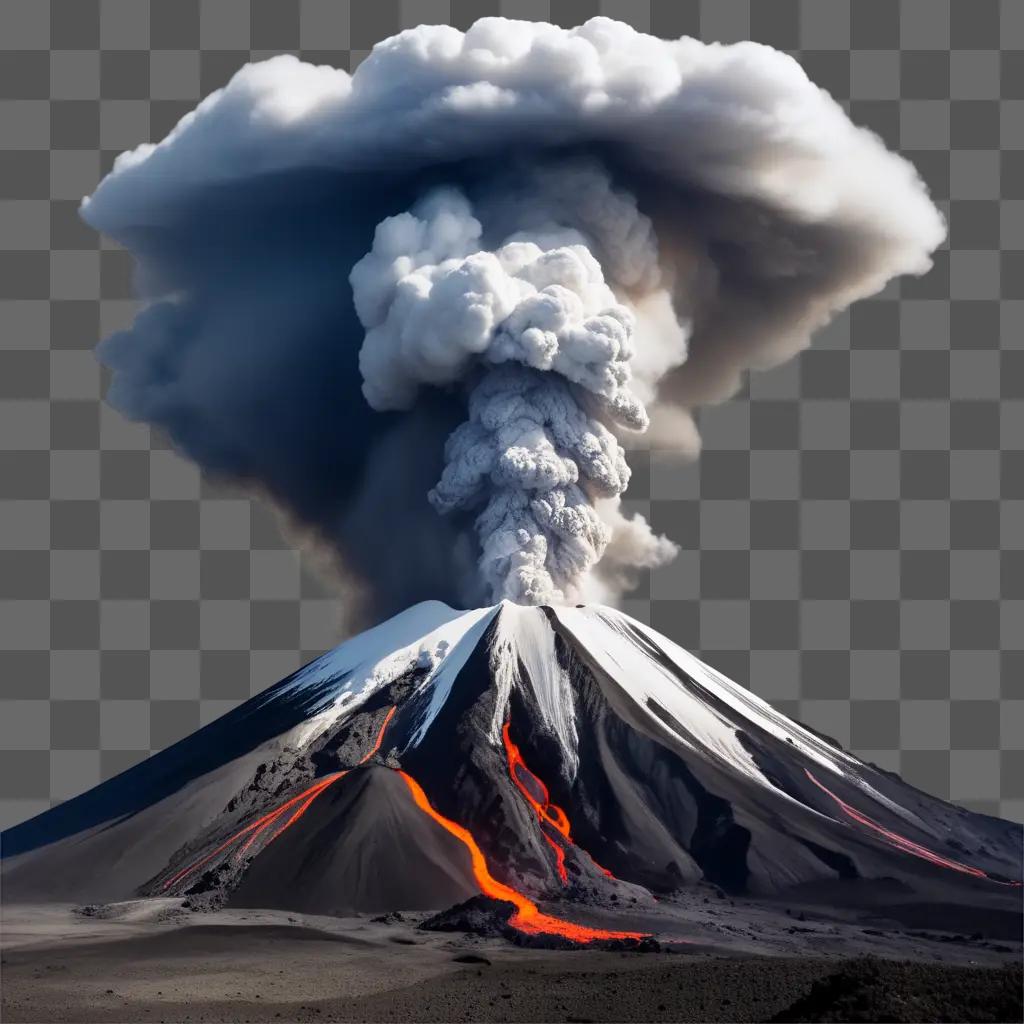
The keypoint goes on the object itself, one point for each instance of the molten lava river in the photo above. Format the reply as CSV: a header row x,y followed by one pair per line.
x,y
527,918
548,814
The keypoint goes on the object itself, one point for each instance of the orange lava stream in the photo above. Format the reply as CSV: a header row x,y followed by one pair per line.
x,y
547,812
901,842
380,734
301,802
305,805
260,824
528,917
271,819
559,858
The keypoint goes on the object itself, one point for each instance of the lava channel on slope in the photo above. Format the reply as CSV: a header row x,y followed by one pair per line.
x,y
528,918
538,797
902,842
301,803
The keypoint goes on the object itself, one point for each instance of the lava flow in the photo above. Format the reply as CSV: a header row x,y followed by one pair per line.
x,y
528,917
301,803
901,842
304,799
538,797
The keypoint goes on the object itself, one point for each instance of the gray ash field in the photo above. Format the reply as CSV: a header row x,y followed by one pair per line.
x,y
154,962
605,802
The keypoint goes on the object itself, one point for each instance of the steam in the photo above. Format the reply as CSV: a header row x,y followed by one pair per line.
x,y
426,306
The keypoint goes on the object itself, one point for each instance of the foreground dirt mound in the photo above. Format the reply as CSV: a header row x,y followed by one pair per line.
x,y
479,915
882,990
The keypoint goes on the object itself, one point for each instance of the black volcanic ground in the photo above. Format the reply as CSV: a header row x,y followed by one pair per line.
x,y
262,966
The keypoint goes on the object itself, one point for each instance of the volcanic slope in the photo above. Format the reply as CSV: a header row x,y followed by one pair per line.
x,y
526,753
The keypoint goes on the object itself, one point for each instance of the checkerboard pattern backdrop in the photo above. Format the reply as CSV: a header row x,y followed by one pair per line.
x,y
853,535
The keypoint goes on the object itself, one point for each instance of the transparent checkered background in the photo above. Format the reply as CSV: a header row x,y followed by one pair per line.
x,y
853,534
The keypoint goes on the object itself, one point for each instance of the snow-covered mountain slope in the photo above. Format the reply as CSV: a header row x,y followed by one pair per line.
x,y
540,751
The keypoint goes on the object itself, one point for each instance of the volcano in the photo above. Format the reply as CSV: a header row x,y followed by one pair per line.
x,y
553,759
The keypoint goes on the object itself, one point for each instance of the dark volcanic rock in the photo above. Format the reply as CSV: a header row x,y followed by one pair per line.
x,y
647,944
489,918
205,902
91,910
479,915
391,917
880,990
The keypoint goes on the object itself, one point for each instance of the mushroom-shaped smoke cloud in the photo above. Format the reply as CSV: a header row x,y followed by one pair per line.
x,y
420,305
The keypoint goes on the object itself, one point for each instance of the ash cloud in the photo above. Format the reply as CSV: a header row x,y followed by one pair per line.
x,y
543,345
425,306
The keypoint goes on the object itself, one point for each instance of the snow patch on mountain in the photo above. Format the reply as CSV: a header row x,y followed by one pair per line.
x,y
612,637
523,653
457,640
426,636
605,636
647,668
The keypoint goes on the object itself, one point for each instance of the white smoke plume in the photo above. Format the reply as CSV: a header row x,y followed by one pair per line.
x,y
553,237
439,307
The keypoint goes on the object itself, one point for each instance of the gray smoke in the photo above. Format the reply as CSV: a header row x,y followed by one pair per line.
x,y
554,240
543,343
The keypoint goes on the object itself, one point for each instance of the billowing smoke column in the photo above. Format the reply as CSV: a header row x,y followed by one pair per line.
x,y
424,306
548,345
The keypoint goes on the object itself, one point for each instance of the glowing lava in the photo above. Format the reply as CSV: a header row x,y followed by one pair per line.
x,y
380,735
901,842
538,797
559,858
303,800
301,803
528,918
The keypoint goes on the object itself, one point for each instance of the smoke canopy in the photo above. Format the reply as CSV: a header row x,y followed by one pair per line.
x,y
553,238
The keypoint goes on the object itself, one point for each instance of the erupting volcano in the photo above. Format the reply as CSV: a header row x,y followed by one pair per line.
x,y
429,310
567,756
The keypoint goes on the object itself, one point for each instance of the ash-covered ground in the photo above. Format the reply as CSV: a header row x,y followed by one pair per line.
x,y
153,960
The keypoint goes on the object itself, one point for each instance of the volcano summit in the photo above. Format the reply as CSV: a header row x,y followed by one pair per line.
x,y
569,761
